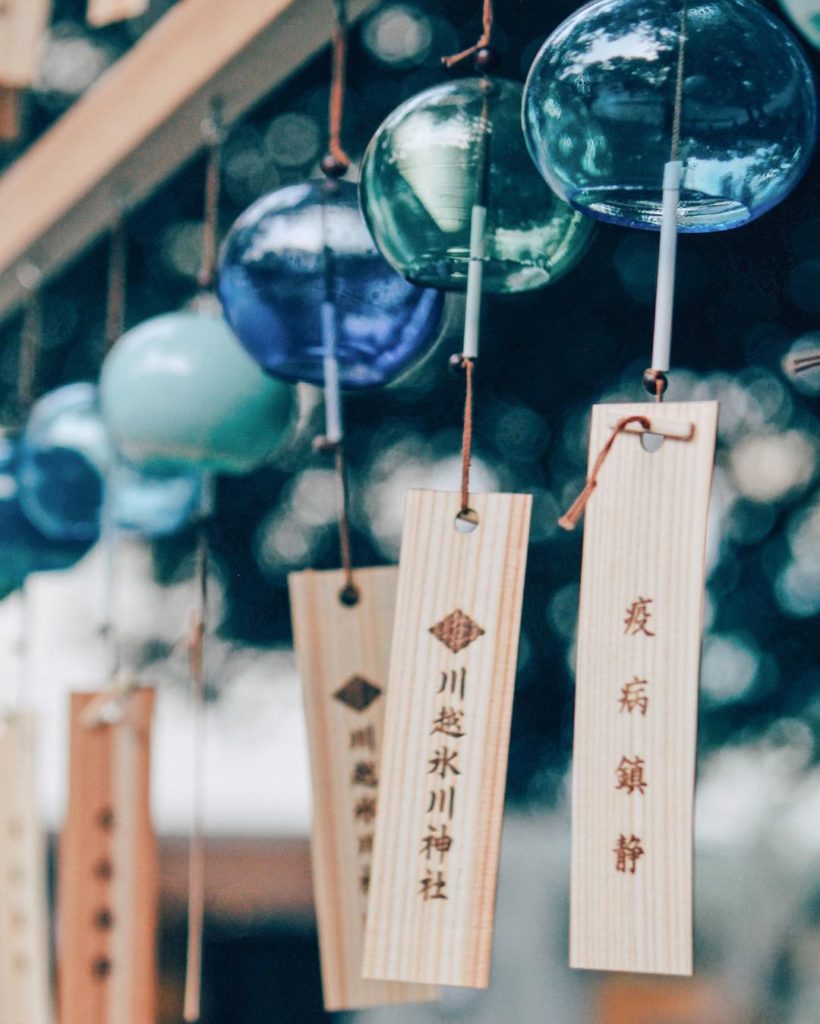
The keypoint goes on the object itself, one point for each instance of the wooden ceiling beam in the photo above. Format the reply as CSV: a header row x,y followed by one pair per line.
x,y
143,120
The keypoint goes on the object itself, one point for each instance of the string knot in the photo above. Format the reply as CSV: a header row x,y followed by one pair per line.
x,y
569,520
482,43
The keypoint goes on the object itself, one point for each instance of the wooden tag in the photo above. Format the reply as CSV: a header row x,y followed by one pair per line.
x,y
22,24
639,639
105,12
452,674
343,654
24,957
108,870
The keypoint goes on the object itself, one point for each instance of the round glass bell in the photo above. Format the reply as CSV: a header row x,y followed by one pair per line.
x,y
446,151
179,394
599,109
23,548
300,280
68,469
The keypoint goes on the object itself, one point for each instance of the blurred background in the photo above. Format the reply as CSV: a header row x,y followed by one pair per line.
x,y
746,301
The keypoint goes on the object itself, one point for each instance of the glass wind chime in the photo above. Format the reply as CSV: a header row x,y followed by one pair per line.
x,y
653,115
452,201
313,300
108,882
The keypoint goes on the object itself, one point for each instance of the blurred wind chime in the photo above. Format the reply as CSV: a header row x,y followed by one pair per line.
x,y
694,139
311,298
108,872
179,395
453,201
24,951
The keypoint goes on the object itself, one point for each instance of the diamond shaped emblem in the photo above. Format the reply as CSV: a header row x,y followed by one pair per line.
x,y
357,693
457,631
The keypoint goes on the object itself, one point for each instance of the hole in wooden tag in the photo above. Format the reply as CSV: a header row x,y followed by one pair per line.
x,y
466,521
651,442
349,595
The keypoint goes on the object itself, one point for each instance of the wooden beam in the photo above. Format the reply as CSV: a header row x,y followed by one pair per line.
x,y
22,24
142,120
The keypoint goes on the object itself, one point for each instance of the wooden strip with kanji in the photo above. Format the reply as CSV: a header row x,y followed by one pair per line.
x,y
639,641
108,880
24,945
343,654
452,674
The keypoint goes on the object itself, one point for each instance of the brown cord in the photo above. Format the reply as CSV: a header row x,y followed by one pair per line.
x,y
660,387
31,344
483,40
117,271
337,86
467,435
344,523
808,362
196,842
569,520
210,227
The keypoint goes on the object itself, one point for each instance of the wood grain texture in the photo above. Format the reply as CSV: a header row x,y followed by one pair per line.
x,y
636,696
338,646
108,876
24,946
105,12
22,24
417,929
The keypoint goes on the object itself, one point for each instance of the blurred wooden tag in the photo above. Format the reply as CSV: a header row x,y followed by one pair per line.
x,y
24,946
446,739
108,871
22,25
639,640
343,654
105,12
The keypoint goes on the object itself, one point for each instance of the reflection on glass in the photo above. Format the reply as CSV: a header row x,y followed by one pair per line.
x,y
441,153
598,111
301,248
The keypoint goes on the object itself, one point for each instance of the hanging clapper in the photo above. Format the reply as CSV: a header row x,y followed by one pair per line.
x,y
451,680
108,870
638,654
342,625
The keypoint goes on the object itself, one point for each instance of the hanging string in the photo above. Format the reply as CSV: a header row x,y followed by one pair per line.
x,y
349,593
109,534
655,379
569,520
212,132
31,344
800,364
483,40
337,161
467,436
196,840
117,272
674,152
